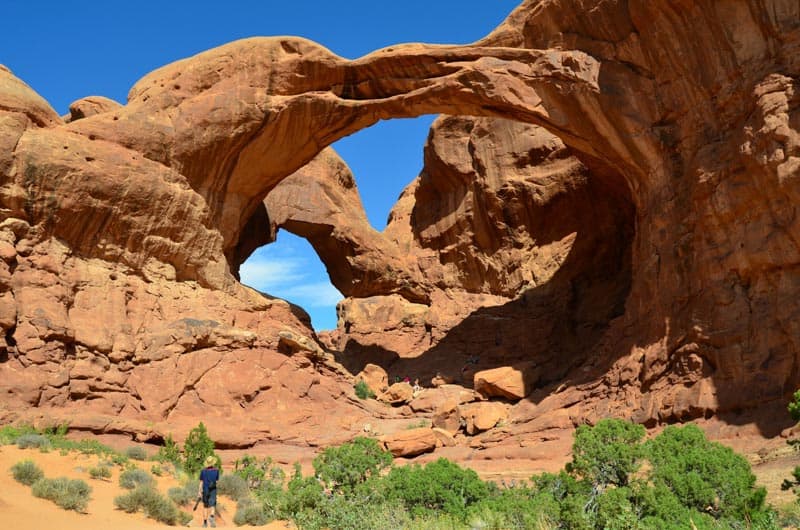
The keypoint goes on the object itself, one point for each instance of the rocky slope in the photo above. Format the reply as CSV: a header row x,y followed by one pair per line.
x,y
618,222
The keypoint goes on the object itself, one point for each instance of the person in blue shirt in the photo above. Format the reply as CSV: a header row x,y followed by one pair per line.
x,y
208,490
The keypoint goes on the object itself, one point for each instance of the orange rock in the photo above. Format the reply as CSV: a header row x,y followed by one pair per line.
x,y
90,106
397,394
411,442
447,417
375,377
511,382
625,216
431,399
444,438
482,416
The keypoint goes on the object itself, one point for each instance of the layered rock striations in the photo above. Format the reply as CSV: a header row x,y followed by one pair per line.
x,y
618,217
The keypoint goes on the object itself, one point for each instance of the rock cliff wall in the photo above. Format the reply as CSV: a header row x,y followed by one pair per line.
x,y
620,213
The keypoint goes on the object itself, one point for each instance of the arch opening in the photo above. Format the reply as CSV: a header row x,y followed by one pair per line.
x,y
289,268
314,223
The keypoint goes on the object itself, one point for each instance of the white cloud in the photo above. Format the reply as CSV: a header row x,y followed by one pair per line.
x,y
267,274
287,278
291,270
318,294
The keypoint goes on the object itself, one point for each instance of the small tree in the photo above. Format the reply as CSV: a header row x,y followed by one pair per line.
x,y
197,447
344,467
440,486
794,406
704,476
794,412
169,452
608,453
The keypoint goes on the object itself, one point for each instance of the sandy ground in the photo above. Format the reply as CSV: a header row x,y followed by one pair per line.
x,y
20,510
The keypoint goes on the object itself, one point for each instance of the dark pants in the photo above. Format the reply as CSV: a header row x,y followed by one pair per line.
x,y
210,498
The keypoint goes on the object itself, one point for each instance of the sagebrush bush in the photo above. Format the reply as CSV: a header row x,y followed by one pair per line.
x,y
39,441
26,472
66,493
135,452
251,513
183,495
233,486
153,504
10,433
100,472
131,478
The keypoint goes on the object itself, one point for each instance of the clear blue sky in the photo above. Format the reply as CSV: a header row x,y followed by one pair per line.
x,y
66,50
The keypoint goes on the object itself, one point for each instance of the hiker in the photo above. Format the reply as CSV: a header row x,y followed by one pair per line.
x,y
208,491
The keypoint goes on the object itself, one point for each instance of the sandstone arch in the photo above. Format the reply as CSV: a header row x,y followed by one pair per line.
x,y
690,107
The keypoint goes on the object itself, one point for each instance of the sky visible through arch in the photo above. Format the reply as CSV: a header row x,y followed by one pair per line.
x,y
69,50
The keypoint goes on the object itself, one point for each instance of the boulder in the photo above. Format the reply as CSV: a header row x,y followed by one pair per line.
x,y
482,416
447,417
90,106
443,438
397,394
301,344
430,399
510,382
409,443
375,378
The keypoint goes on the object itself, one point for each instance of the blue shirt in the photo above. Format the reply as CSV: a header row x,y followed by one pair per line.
x,y
209,477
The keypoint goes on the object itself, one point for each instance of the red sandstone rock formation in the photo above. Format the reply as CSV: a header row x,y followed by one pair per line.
x,y
623,217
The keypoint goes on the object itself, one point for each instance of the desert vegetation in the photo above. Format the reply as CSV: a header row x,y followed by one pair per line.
x,y
617,479
66,493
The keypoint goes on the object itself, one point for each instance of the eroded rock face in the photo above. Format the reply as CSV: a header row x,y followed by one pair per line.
x,y
620,213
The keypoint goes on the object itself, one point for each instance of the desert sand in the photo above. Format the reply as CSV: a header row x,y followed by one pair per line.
x,y
20,510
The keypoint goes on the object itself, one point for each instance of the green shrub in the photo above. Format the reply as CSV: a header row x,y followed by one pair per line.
x,y
704,476
132,478
136,452
100,472
39,441
514,509
303,497
169,452
119,460
233,486
197,447
183,495
26,472
257,472
10,433
358,513
440,486
362,390
789,515
794,406
607,453
153,504
343,468
66,493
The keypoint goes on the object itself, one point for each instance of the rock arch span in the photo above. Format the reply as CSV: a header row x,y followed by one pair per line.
x,y
689,108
